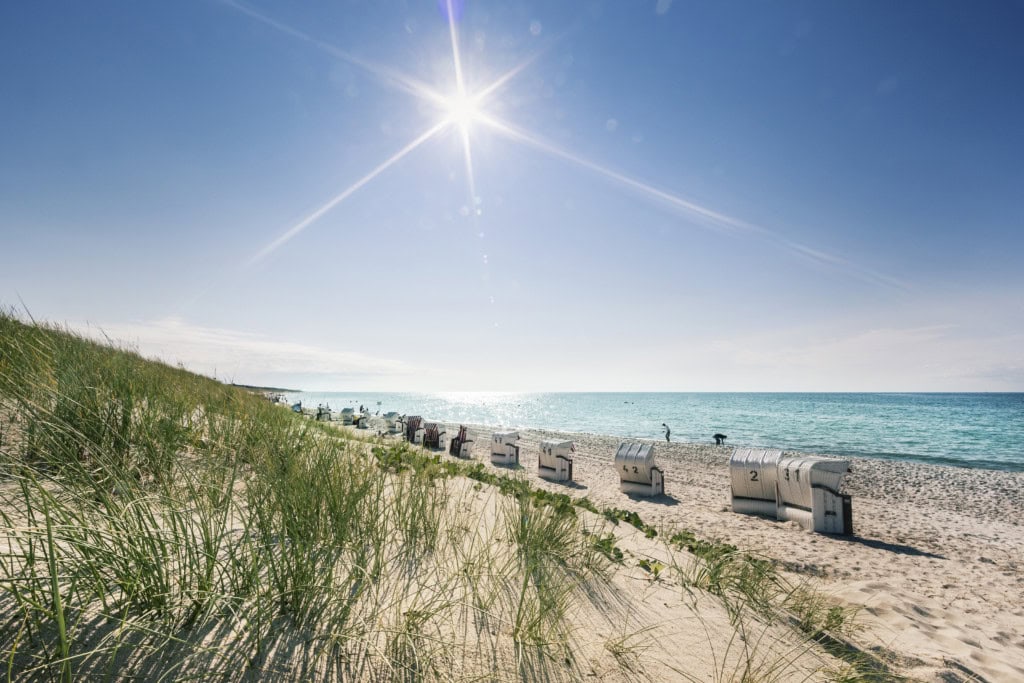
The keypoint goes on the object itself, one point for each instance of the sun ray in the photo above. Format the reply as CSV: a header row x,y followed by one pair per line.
x,y
720,221
383,73
465,108
500,82
465,104
468,155
460,84
345,194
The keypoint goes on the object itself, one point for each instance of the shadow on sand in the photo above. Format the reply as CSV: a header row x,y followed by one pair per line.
x,y
568,484
891,547
663,499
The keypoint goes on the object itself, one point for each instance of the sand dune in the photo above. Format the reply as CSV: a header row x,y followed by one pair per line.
x,y
936,562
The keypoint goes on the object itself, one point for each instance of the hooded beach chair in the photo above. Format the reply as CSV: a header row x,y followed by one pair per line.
x,y
435,436
555,460
460,446
414,429
639,474
504,450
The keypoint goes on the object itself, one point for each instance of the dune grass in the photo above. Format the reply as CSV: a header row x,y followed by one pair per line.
x,y
154,520
160,525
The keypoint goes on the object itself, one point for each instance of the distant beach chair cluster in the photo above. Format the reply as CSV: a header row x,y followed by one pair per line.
x,y
639,474
803,489
799,488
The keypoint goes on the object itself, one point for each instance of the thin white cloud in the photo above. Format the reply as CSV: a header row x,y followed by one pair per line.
x,y
938,357
241,356
923,358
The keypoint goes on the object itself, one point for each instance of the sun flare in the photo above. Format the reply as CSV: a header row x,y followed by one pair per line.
x,y
463,110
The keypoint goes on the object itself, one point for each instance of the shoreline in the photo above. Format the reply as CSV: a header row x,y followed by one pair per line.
x,y
935,564
979,431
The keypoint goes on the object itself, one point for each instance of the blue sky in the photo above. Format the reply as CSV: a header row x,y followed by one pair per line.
x,y
668,195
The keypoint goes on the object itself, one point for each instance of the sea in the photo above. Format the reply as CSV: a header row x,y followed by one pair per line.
x,y
964,430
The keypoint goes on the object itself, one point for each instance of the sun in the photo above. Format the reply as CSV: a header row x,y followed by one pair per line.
x,y
463,109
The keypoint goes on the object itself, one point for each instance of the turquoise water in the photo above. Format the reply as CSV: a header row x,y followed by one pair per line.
x,y
968,430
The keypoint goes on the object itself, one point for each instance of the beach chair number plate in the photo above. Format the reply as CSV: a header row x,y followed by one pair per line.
x,y
753,475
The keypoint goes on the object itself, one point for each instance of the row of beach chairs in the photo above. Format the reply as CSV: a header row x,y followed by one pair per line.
x,y
803,489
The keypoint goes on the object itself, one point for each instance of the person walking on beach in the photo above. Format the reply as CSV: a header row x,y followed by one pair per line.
x,y
668,432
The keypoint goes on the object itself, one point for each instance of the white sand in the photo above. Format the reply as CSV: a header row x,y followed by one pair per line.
x,y
937,560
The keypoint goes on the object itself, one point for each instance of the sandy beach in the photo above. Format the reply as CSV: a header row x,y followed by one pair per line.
x,y
936,562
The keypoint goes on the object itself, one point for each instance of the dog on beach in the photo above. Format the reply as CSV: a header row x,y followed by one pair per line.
x,y
719,439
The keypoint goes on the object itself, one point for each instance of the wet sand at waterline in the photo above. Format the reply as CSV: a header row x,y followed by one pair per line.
x,y
936,562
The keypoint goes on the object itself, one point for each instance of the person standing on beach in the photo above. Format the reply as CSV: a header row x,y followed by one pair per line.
x,y
668,432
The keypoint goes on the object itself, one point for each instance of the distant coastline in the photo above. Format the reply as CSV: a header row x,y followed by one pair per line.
x,y
279,390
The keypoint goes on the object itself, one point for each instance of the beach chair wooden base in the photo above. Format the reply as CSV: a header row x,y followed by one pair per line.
x,y
655,488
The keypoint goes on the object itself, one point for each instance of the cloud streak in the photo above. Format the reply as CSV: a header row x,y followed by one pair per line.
x,y
940,357
242,356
